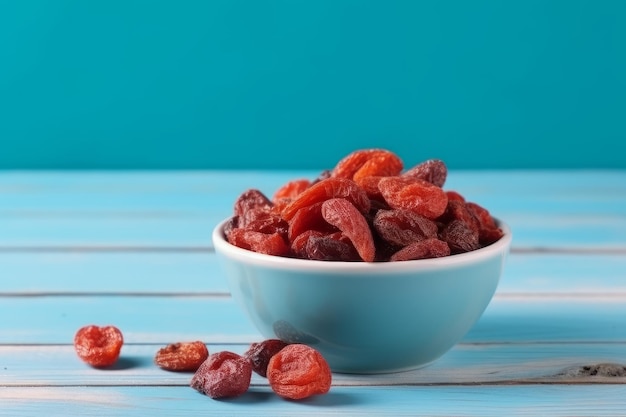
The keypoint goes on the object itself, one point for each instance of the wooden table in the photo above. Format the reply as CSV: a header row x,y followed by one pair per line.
x,y
133,249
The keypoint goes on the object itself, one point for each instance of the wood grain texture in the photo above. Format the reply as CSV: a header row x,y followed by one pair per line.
x,y
133,249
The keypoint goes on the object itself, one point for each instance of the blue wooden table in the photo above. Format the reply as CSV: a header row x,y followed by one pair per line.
x,y
133,249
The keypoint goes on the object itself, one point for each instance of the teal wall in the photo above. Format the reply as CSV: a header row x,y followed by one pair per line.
x,y
298,84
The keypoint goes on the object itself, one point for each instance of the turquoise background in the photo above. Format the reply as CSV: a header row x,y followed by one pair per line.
x,y
298,84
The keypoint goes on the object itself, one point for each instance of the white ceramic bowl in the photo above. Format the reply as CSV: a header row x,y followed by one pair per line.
x,y
365,317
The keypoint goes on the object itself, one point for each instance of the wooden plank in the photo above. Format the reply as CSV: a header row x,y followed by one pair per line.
x,y
156,319
493,364
545,209
188,272
516,400
28,273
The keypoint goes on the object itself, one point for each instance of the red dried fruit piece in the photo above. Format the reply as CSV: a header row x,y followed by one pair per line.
x,y
433,171
413,194
348,166
224,374
299,371
230,225
251,199
328,248
342,214
291,189
458,210
460,237
453,195
98,346
424,249
402,227
298,245
489,231
259,354
308,218
380,165
263,220
327,189
182,356
269,244
370,186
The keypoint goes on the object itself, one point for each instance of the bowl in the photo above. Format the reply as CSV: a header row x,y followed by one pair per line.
x,y
365,317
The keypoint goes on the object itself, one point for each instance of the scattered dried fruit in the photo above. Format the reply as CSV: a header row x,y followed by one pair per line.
x,y
259,354
98,346
299,371
224,374
182,356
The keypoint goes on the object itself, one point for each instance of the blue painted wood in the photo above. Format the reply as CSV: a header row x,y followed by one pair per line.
x,y
483,401
188,272
162,319
133,249
496,364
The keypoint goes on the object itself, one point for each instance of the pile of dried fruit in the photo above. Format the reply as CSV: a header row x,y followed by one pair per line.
x,y
294,371
367,208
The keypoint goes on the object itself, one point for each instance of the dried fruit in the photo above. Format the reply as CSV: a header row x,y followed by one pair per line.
x,y
379,210
403,227
250,199
433,171
330,248
325,190
459,236
269,244
299,371
182,356
413,194
259,354
224,374
342,214
98,346
428,248
291,189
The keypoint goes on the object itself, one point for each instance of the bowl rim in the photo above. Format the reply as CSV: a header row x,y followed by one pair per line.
x,y
223,247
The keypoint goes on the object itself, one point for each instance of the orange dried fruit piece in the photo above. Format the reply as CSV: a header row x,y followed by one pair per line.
x,y
298,371
269,244
98,346
308,218
413,194
386,163
182,356
342,214
327,189
291,189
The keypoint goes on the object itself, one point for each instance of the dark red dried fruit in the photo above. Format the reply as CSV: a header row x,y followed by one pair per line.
x,y
299,371
342,214
403,227
259,354
98,346
224,374
460,237
182,356
433,170
424,249
263,220
298,245
329,248
251,199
